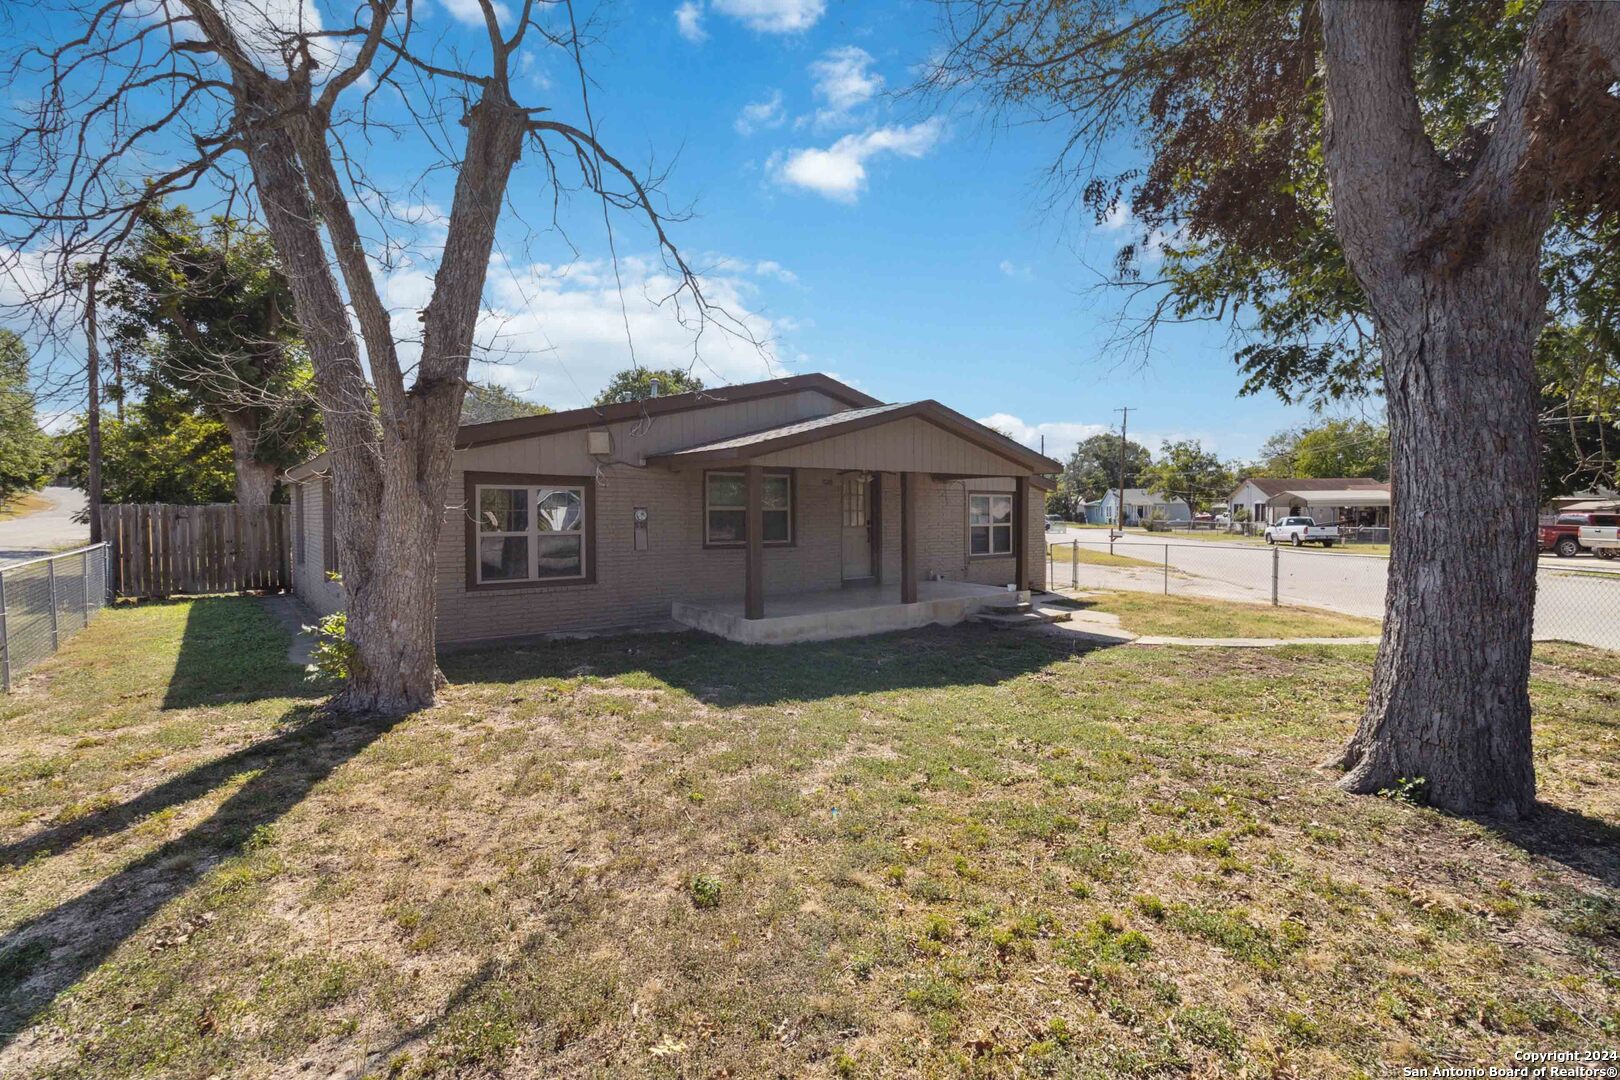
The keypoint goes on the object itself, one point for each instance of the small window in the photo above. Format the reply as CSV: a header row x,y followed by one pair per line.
x,y
990,524
530,533
725,508
857,504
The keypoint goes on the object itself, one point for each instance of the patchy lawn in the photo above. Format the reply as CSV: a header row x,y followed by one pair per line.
x,y
1192,616
949,852
1096,557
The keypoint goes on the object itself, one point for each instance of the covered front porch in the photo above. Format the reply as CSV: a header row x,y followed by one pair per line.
x,y
851,611
902,563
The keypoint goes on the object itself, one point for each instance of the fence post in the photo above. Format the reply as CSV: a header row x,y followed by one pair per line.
x,y
1276,554
1074,567
50,574
84,559
1167,569
5,640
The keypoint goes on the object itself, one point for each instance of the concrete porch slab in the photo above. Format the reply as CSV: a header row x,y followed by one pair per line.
x,y
847,612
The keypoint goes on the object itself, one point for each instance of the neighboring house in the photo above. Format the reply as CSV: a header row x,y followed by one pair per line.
x,y
1091,512
870,517
1142,505
1350,500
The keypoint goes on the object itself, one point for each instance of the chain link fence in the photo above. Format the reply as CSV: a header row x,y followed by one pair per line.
x,y
43,602
1572,604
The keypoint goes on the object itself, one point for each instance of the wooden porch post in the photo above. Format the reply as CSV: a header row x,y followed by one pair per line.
x,y
875,522
908,538
754,560
1020,524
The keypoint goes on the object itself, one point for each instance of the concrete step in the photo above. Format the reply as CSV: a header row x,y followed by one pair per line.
x,y
1030,617
1006,609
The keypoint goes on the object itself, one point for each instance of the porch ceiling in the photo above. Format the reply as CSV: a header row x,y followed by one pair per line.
x,y
1342,497
918,436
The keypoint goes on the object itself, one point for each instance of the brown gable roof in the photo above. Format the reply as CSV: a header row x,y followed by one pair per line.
x,y
1276,485
741,447
497,431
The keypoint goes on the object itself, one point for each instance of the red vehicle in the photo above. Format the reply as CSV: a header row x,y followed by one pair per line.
x,y
1563,535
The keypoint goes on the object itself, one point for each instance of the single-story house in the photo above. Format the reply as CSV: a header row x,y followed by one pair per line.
x,y
1091,512
787,510
1333,500
1142,506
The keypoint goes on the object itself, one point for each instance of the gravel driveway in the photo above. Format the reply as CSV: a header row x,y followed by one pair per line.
x,y
1575,601
47,530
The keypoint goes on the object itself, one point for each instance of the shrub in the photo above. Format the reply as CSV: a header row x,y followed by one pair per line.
x,y
705,891
334,652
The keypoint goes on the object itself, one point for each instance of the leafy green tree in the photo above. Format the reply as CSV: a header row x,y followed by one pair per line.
x,y
161,452
1094,467
203,315
1336,447
24,449
1185,470
635,384
1369,191
486,402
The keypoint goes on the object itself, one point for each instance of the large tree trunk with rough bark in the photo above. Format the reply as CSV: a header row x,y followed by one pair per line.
x,y
1450,701
390,461
1448,253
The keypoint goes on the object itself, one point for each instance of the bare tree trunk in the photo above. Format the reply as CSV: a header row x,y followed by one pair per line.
x,y
255,479
92,370
1450,700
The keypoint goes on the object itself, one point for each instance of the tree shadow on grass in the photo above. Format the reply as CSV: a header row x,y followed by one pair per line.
x,y
45,955
232,650
1585,844
724,673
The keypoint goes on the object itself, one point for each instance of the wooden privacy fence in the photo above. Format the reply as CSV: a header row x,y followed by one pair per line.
x,y
160,549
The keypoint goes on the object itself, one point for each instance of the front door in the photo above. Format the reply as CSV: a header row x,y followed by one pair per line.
x,y
856,505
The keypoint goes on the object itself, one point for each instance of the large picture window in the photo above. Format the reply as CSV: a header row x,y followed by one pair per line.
x,y
529,533
990,524
725,508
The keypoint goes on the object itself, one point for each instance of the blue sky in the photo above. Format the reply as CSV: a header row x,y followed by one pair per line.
x,y
904,251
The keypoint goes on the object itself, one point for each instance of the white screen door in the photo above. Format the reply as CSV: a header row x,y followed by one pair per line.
x,y
857,527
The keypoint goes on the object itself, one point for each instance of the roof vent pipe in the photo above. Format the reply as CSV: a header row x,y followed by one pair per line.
x,y
652,388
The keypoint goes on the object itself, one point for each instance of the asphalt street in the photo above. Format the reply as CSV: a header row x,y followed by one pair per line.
x,y
47,530
1576,599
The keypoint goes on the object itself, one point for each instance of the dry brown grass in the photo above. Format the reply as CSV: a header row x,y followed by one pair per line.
x,y
939,853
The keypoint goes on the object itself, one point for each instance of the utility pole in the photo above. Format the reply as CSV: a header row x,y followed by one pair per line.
x,y
1119,510
92,421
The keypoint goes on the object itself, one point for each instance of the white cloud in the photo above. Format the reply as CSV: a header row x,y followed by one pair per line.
x,y
555,334
839,172
772,268
1061,436
472,13
772,16
844,80
1013,270
1119,217
689,21
761,115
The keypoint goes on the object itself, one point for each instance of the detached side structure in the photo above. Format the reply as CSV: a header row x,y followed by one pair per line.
x,y
791,510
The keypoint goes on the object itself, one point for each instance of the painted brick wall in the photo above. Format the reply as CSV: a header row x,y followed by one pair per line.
x,y
309,578
635,588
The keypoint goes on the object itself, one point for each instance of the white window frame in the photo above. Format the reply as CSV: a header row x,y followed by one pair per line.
x,y
990,527
533,533
784,474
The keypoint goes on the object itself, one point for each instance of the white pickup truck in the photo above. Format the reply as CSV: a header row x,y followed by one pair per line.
x,y
1604,540
1302,530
